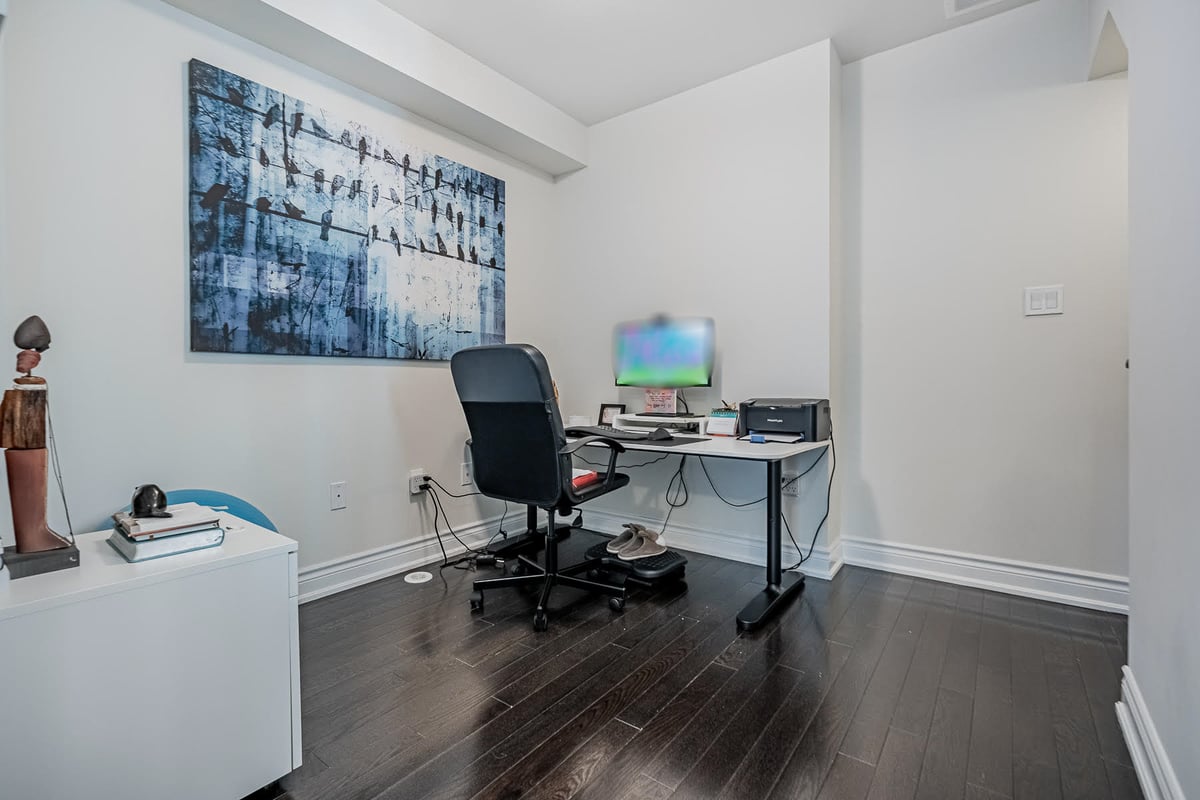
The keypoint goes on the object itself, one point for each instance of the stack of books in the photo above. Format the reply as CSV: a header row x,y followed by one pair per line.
x,y
190,527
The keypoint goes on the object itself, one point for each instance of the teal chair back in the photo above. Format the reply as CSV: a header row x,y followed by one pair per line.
x,y
221,501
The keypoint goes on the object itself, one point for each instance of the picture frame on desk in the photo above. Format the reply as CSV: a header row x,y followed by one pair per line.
x,y
609,412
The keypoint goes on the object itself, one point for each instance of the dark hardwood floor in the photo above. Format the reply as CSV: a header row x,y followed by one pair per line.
x,y
869,686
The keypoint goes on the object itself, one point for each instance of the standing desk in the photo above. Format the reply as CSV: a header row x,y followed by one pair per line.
x,y
780,588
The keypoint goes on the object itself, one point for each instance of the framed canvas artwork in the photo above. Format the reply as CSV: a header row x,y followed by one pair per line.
x,y
311,235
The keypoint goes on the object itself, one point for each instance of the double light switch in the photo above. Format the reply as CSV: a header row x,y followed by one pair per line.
x,y
1041,300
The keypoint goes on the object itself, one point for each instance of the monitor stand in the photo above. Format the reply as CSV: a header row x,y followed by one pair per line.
x,y
664,414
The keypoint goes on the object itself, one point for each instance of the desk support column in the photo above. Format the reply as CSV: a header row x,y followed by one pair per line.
x,y
774,516
780,588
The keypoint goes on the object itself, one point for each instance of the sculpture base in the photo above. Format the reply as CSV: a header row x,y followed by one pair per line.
x,y
22,565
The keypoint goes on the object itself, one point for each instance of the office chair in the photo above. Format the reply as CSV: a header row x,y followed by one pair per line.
x,y
520,454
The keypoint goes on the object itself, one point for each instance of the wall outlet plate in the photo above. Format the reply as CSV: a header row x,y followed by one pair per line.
x,y
337,495
416,478
466,474
791,484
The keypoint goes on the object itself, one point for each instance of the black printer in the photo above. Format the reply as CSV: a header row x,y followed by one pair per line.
x,y
806,418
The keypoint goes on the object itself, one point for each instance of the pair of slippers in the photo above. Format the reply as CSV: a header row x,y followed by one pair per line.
x,y
634,542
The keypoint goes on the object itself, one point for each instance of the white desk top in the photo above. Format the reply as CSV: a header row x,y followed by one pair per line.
x,y
102,570
729,447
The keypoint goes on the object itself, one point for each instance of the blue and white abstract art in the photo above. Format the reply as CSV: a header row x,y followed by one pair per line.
x,y
312,236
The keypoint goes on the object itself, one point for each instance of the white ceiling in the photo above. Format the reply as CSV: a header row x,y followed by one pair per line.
x,y
595,59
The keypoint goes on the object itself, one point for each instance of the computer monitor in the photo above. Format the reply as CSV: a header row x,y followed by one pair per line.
x,y
664,353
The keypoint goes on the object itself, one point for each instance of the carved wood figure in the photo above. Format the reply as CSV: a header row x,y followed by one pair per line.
x,y
23,437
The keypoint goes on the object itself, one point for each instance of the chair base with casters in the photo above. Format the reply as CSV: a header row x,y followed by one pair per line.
x,y
528,572
528,542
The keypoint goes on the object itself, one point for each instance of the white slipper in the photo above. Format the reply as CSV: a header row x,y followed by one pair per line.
x,y
624,538
645,546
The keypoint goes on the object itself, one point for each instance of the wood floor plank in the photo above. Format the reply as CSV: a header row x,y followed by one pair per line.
x,y
779,738
720,636
578,769
944,769
1081,769
995,647
989,763
565,727
645,788
996,605
629,763
850,779
922,590
673,763
1035,757
962,653
1103,692
1123,782
970,599
815,753
914,709
713,768
450,773
1036,781
899,766
865,738
1022,609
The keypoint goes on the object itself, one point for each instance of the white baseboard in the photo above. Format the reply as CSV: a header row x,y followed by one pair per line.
x,y
341,574
749,548
1057,584
1150,760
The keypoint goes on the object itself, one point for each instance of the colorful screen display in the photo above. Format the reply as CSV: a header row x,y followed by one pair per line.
x,y
664,353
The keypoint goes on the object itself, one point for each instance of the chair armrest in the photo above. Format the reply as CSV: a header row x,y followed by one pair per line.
x,y
614,448
575,444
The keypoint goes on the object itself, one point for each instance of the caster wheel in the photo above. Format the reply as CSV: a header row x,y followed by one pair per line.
x,y
540,623
616,603
517,570
477,601
593,574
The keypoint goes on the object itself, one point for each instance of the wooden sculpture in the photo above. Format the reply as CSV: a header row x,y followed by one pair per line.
x,y
23,437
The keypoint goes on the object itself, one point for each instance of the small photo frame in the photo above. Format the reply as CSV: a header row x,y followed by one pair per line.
x,y
609,411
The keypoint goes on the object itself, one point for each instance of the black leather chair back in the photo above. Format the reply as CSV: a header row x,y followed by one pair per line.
x,y
516,431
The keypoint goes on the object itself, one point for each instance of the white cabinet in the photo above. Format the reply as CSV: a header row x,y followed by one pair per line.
x,y
177,677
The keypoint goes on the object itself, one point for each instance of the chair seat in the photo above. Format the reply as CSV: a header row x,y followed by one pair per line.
x,y
593,490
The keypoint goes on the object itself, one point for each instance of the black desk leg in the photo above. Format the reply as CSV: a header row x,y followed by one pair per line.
x,y
780,588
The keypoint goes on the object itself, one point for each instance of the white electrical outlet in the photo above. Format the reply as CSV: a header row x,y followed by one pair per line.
x,y
791,484
337,496
416,478
465,475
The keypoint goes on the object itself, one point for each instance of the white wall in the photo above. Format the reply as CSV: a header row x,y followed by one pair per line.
x,y
370,46
1164,200
977,163
95,168
714,202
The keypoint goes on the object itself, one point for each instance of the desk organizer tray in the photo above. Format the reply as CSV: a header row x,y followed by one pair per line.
x,y
655,569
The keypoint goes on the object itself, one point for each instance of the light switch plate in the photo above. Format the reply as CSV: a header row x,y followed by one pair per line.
x,y
1042,300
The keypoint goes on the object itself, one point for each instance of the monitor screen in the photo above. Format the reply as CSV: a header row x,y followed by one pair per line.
x,y
664,353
